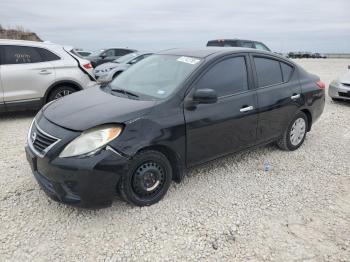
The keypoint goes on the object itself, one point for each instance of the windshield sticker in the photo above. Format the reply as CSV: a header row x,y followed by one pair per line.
x,y
188,60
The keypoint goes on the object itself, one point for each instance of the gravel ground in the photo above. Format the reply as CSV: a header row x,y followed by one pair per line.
x,y
300,210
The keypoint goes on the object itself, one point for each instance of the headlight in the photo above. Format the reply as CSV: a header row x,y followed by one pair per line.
x,y
90,141
107,69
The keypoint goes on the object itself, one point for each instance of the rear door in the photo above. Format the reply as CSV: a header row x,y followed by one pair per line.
x,y
25,76
279,95
229,124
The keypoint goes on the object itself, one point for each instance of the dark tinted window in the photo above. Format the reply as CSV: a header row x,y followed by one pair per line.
x,y
222,43
247,44
286,71
120,52
47,55
226,77
261,46
109,52
21,55
268,71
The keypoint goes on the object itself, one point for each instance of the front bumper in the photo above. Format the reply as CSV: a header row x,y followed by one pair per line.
x,y
89,182
103,77
339,91
85,182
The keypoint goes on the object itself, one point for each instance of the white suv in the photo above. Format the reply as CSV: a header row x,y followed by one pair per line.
x,y
34,73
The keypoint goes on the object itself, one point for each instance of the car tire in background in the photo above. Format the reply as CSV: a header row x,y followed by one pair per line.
x,y
147,178
294,135
60,91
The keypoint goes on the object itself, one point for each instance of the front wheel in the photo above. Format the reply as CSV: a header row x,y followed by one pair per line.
x,y
147,179
294,135
60,91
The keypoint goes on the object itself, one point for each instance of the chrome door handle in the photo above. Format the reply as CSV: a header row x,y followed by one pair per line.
x,y
296,96
44,72
246,109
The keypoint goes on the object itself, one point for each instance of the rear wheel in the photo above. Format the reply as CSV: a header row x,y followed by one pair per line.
x,y
294,135
147,179
60,91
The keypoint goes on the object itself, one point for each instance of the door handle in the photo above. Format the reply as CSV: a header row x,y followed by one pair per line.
x,y
246,109
295,96
44,72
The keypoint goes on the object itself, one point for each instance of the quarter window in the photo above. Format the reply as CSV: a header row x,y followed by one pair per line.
x,y
268,71
47,55
286,71
21,55
226,77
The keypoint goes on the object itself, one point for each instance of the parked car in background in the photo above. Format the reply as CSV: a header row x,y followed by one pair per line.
x,y
107,55
82,53
108,71
34,73
318,55
339,89
238,43
171,111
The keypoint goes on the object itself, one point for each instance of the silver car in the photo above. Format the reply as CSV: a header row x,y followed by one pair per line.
x,y
34,73
339,89
108,71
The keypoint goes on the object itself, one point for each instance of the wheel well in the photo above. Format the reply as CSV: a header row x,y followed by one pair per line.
x,y
309,118
174,160
59,84
117,73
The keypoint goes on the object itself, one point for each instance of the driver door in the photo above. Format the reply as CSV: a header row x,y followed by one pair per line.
x,y
230,124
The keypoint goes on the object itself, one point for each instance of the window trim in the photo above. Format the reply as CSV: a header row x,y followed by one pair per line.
x,y
223,58
255,74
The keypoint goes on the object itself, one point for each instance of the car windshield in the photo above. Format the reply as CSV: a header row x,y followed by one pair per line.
x,y
98,52
125,58
156,76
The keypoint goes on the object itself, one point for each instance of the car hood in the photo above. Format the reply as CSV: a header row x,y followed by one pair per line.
x,y
106,66
345,78
86,109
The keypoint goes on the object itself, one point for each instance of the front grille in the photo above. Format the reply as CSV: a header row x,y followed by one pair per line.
x,y
40,141
344,94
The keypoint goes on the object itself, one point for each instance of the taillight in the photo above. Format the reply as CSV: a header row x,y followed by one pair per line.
x,y
87,66
321,84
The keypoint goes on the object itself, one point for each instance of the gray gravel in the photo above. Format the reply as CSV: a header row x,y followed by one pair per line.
x,y
229,209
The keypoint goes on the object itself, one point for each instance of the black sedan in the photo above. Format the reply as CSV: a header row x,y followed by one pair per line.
x,y
173,110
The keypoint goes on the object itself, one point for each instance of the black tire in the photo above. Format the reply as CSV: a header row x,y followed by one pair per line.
x,y
285,142
60,91
134,186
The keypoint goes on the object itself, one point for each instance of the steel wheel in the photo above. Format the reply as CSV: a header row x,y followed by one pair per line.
x,y
148,179
298,131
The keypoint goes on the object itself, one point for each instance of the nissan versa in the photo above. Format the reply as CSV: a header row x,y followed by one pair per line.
x,y
171,111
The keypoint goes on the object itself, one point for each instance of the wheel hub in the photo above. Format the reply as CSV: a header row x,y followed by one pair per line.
x,y
62,93
148,179
297,132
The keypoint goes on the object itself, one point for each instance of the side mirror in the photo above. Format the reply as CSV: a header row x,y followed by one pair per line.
x,y
205,96
103,56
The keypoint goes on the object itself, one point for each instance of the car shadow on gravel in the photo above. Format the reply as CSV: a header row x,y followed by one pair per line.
x,y
17,115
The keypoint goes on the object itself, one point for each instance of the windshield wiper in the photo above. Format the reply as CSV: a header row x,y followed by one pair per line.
x,y
125,92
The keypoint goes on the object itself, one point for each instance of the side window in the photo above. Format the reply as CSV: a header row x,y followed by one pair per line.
x,y
226,77
286,71
109,52
261,46
47,55
21,55
268,71
121,52
247,44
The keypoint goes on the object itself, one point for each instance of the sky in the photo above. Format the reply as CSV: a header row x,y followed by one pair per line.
x,y
283,25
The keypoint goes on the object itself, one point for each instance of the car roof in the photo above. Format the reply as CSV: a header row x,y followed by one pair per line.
x,y
26,42
209,51
233,39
